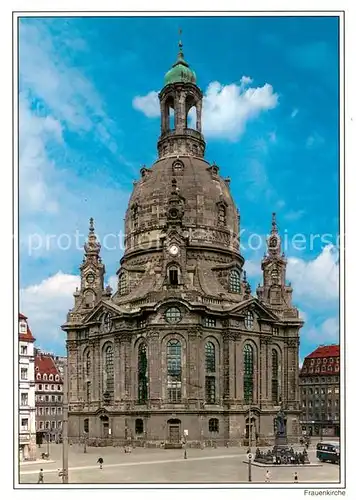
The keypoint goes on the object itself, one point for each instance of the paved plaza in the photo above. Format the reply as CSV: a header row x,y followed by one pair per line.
x,y
221,465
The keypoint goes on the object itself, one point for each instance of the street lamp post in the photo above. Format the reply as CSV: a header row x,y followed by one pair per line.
x,y
65,478
249,445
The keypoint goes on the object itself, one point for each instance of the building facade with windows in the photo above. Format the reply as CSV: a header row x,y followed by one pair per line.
x,y
320,392
183,345
49,399
27,416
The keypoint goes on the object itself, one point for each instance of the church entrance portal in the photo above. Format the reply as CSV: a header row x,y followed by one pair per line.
x,y
174,432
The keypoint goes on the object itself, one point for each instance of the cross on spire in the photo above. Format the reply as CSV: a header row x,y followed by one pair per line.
x,y
274,224
180,45
91,225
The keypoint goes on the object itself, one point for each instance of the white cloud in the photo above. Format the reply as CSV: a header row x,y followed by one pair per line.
x,y
252,268
46,305
294,113
314,140
36,168
316,280
245,80
71,97
280,204
226,108
148,104
294,215
325,333
272,136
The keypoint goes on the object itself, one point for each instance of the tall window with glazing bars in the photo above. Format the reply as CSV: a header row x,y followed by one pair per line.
x,y
210,387
248,374
174,371
87,377
142,374
108,385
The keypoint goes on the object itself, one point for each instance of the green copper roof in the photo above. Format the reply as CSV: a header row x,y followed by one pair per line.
x,y
180,71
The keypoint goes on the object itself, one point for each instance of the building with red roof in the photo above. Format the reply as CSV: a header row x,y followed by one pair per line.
x,y
27,409
49,398
319,382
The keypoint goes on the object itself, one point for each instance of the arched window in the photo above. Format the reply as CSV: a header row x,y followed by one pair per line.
x,y
249,320
87,375
221,215
210,395
142,373
213,425
191,113
123,284
248,373
234,281
108,371
209,357
57,377
88,365
139,426
86,425
174,371
45,376
38,376
134,216
51,377
172,123
275,377
173,275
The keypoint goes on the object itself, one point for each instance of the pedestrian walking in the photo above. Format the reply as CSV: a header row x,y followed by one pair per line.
x,y
268,477
40,477
296,477
100,462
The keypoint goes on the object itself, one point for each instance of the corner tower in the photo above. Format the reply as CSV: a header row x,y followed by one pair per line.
x,y
275,291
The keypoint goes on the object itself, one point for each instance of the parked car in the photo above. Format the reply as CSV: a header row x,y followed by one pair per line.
x,y
328,452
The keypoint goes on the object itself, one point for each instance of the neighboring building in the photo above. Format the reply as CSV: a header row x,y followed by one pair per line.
x,y
27,415
60,362
49,399
183,344
320,392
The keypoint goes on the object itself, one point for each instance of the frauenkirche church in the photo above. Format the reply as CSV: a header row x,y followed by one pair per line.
x,y
182,347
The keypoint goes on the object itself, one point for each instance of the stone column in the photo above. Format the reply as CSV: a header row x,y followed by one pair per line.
x,y
154,368
226,367
199,110
239,375
232,367
195,373
285,373
117,366
72,353
97,369
292,369
163,117
265,377
126,342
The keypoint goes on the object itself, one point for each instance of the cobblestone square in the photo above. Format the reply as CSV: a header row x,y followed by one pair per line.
x,y
221,465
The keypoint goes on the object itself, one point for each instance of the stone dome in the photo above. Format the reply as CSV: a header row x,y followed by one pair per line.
x,y
204,196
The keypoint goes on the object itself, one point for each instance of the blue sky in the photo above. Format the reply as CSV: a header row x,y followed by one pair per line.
x,y
89,121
